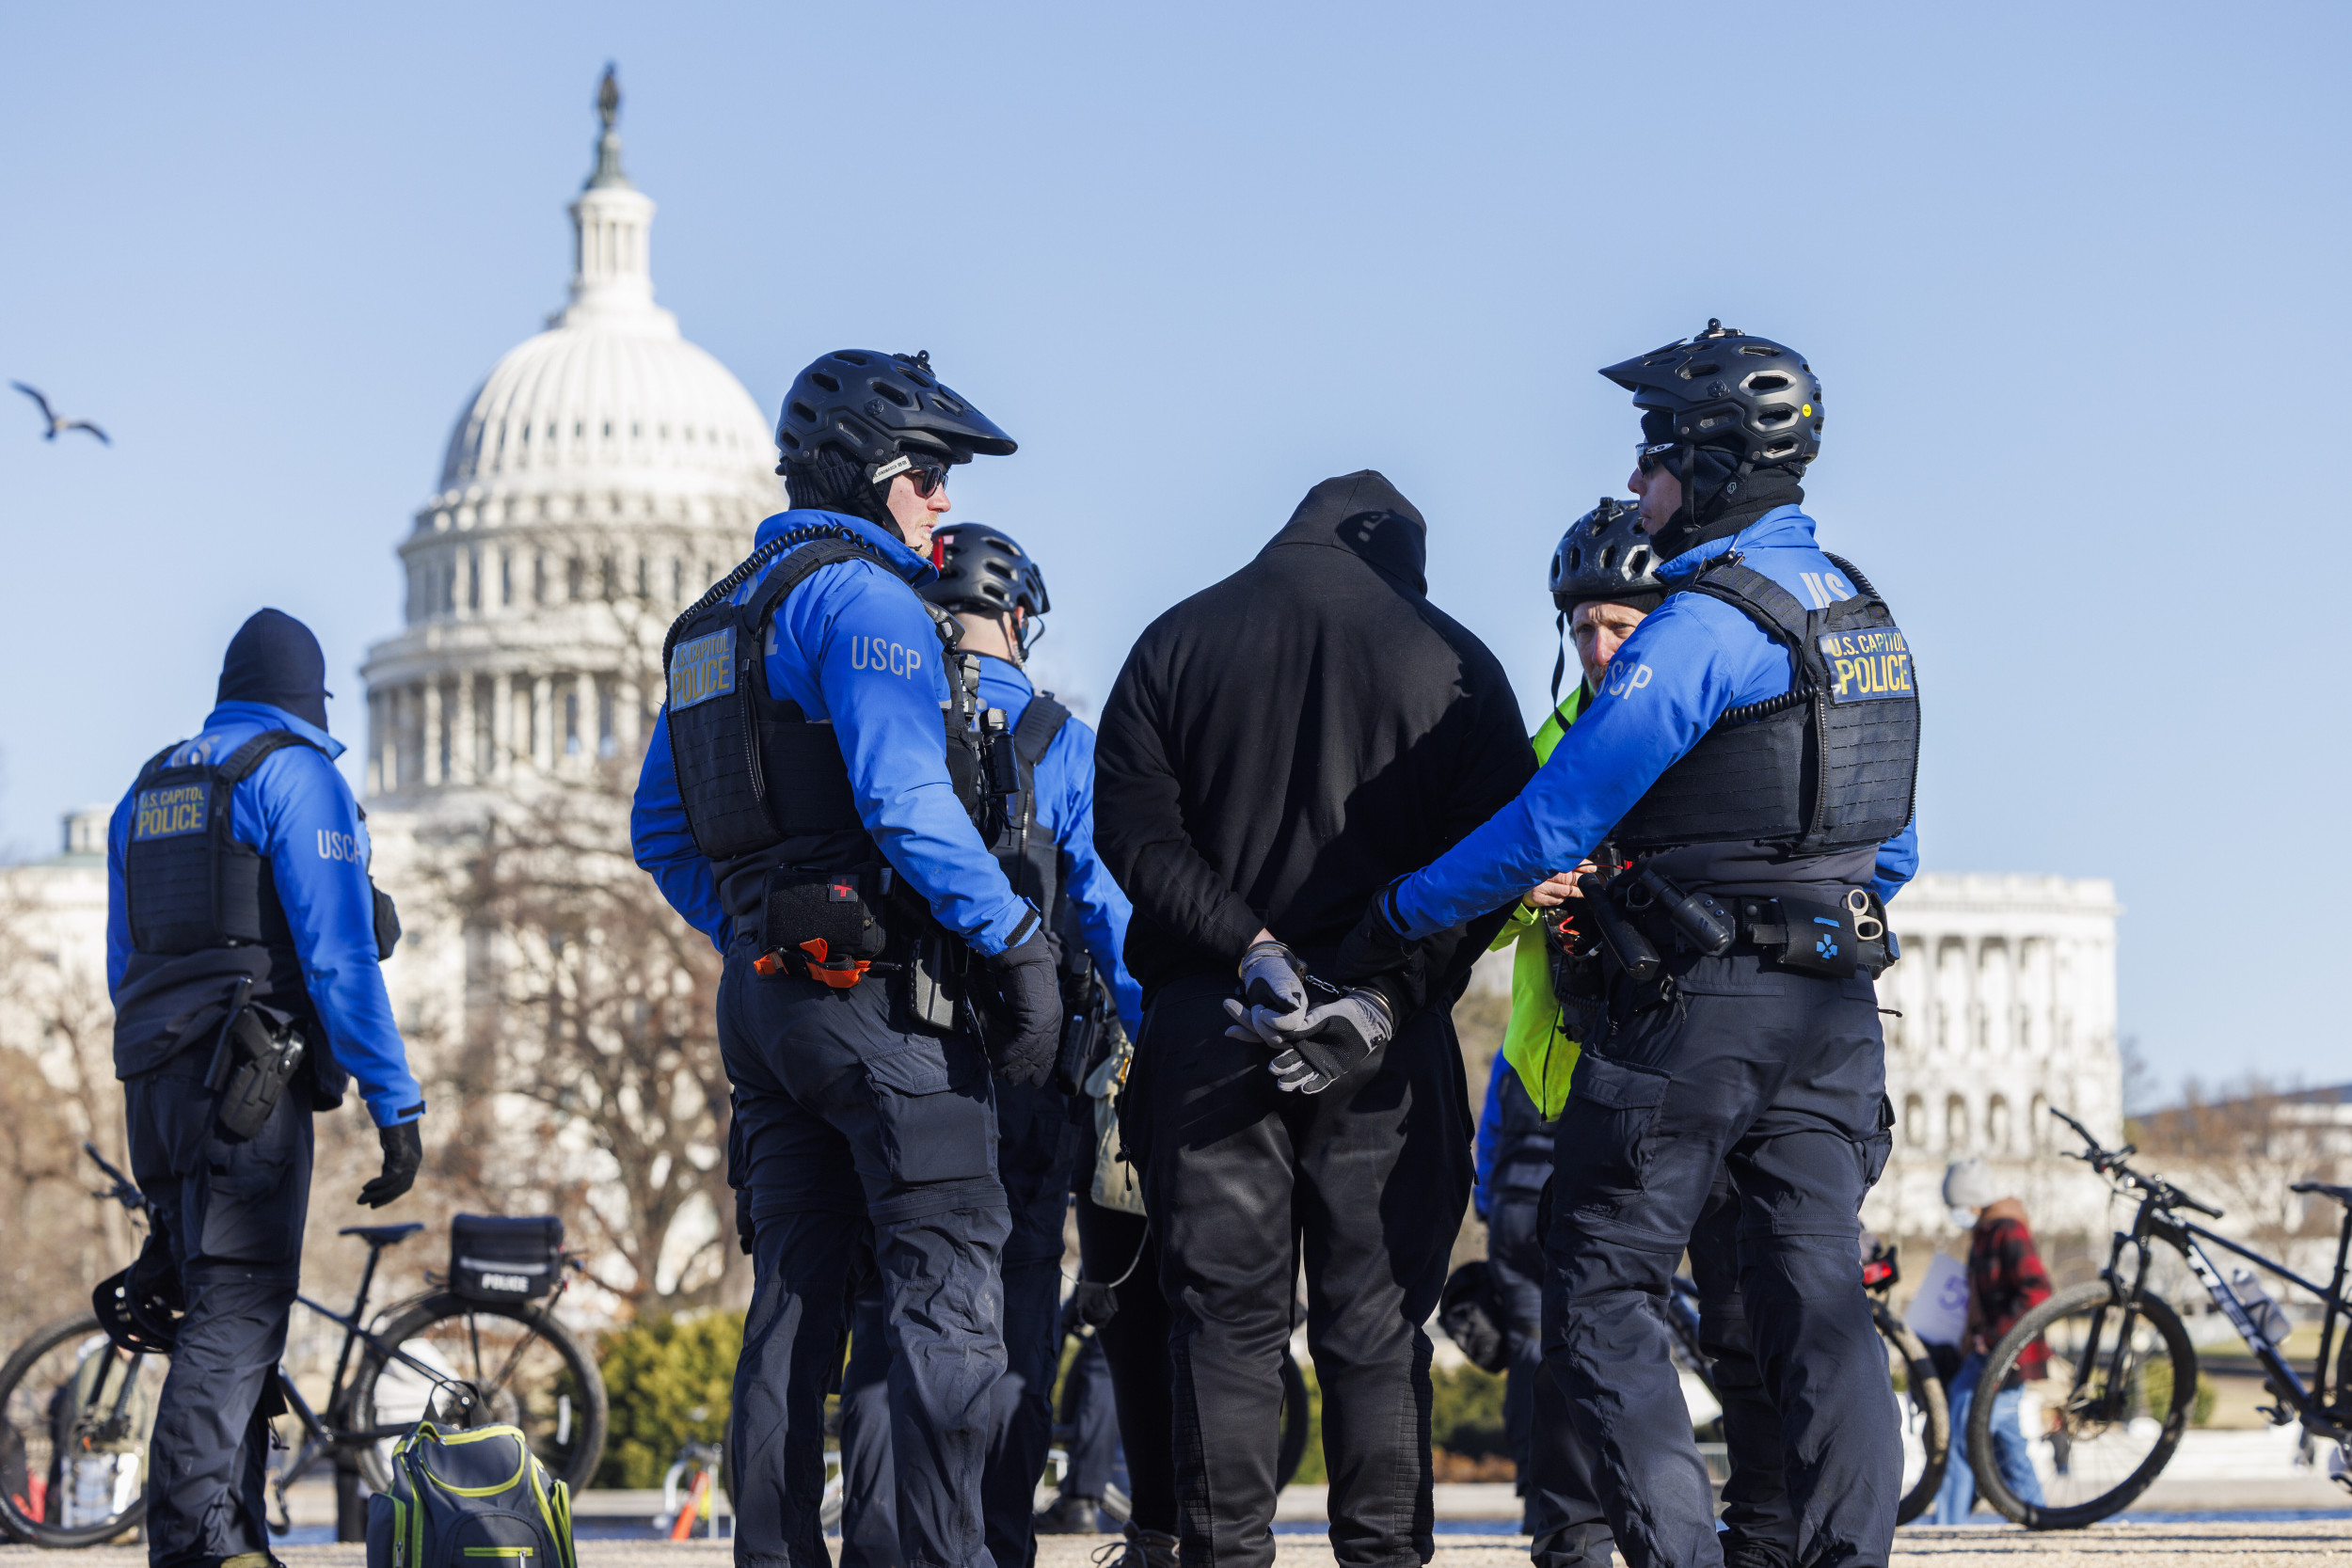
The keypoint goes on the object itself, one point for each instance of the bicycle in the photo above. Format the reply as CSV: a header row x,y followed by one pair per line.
x,y
1919,1400
81,1408
2124,1367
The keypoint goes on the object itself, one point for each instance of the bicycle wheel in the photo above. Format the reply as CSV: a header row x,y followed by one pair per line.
x,y
2115,1397
531,1372
83,1411
1920,1408
1293,1450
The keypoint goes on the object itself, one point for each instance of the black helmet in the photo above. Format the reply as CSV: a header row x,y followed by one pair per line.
x,y
1724,389
1605,555
137,1317
1471,1316
873,407
981,570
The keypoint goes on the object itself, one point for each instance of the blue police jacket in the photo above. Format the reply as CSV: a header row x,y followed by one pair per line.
x,y
1065,810
295,809
854,647
1690,661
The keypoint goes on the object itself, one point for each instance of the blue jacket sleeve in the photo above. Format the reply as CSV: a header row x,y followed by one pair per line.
x,y
1489,1138
118,912
663,844
1065,787
297,806
1898,862
876,659
1687,662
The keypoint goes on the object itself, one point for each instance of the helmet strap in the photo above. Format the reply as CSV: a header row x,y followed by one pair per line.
x,y
1560,661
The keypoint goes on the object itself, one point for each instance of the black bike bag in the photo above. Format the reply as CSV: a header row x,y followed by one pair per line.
x,y
494,1259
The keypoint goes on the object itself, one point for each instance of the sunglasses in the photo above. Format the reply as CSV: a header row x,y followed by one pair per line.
x,y
1651,456
926,477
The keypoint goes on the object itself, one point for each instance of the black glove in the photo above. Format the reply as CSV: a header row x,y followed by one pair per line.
x,y
1336,1039
1025,1036
744,1229
1273,978
404,1151
1379,944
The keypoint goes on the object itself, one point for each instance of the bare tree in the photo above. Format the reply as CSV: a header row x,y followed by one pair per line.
x,y
57,1089
587,1072
2241,1148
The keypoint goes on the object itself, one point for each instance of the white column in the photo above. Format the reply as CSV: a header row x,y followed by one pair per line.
x,y
544,721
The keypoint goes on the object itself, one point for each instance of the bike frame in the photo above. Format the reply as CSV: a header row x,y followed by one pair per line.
x,y
2156,1222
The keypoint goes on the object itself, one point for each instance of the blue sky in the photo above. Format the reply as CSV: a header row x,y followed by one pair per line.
x,y
2072,276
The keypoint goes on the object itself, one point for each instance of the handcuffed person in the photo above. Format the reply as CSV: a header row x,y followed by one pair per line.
x,y
1276,748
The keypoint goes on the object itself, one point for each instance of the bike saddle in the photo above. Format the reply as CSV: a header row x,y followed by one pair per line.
x,y
381,1235
2342,1195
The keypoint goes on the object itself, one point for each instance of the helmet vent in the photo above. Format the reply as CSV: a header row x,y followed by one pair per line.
x,y
849,357
1693,372
1609,558
1636,563
1576,560
827,382
803,413
1767,381
1761,351
894,394
944,404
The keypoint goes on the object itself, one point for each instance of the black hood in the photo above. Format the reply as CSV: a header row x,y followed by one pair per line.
x,y
1364,514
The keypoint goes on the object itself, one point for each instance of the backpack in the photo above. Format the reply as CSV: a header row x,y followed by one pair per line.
x,y
459,1498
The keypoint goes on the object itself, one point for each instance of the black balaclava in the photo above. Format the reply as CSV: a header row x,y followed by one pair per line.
x,y
1719,504
275,659
836,483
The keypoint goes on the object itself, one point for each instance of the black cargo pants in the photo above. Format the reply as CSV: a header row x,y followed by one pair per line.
x,y
852,1131
1036,1139
1780,1077
232,1215
1373,1174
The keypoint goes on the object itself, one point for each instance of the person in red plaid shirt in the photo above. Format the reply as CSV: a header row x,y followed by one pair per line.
x,y
2005,1280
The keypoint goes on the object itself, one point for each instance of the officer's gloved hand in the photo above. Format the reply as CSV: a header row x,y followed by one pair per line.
x,y
1027,1036
1338,1037
404,1151
1274,980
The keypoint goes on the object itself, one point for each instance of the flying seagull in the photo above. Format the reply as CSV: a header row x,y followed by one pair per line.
x,y
56,425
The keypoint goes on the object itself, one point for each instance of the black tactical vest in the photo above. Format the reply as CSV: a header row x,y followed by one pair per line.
x,y
204,914
1031,859
1828,766
763,785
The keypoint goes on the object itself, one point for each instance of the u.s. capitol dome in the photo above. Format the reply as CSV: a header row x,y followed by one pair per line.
x,y
603,474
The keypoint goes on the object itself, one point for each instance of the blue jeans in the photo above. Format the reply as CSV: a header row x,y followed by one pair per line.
x,y
2012,1450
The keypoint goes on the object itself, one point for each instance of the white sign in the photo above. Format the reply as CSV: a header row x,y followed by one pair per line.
x,y
1939,1313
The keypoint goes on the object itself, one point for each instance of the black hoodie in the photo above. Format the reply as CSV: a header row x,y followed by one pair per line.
x,y
1283,744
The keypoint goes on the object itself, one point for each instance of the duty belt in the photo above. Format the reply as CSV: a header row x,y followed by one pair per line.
x,y
1640,908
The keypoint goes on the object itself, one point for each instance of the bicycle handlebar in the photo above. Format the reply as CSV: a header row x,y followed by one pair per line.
x,y
2111,1162
124,1190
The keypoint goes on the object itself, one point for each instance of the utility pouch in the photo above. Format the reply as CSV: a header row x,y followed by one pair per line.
x,y
1801,934
1579,979
931,986
387,922
818,923
259,1052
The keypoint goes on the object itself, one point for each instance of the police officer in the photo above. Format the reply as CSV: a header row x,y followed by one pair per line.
x,y
1045,844
1752,753
243,939
812,799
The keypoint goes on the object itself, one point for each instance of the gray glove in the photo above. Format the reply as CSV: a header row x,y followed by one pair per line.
x,y
1333,1040
1274,982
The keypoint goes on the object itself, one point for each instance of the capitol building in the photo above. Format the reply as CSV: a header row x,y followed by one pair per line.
x,y
607,470
604,474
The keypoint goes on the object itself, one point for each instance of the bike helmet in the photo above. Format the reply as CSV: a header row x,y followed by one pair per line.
x,y
982,570
872,407
1605,555
1470,1315
1723,388
138,1320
